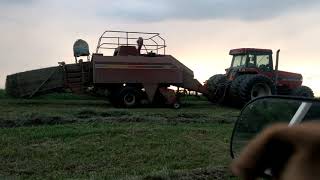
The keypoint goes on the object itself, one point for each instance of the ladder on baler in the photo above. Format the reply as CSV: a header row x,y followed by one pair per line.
x,y
77,76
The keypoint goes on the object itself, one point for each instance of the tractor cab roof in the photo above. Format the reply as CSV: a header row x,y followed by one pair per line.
x,y
249,50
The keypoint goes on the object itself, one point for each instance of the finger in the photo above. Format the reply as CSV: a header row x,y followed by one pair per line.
x,y
257,155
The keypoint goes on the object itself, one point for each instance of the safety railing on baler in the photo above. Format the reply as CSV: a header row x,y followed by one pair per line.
x,y
152,42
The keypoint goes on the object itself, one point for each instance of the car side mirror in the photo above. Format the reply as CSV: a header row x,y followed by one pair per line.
x,y
264,111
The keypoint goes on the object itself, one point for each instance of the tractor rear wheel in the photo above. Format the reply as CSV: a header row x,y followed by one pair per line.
x,y
302,91
234,91
254,86
216,86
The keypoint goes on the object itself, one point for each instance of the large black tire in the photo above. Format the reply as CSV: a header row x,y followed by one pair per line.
x,y
128,97
234,91
217,86
216,81
254,86
302,91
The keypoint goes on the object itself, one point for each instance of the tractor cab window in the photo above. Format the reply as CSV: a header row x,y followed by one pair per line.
x,y
263,62
252,61
239,60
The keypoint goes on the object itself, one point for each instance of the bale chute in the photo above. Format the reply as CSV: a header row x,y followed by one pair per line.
x,y
30,83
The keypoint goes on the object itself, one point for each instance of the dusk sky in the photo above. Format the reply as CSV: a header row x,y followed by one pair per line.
x,y
199,33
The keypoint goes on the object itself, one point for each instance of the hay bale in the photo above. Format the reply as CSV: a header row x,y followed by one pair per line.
x,y
24,84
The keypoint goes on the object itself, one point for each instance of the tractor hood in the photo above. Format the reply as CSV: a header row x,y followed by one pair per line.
x,y
289,76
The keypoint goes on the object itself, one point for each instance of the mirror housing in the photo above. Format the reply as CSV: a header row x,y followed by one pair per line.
x,y
265,111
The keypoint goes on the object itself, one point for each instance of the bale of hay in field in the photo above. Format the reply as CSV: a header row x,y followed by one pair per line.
x,y
30,83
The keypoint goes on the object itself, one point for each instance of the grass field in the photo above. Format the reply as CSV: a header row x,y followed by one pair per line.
x,y
67,136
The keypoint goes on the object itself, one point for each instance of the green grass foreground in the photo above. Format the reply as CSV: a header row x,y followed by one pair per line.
x,y
63,138
111,150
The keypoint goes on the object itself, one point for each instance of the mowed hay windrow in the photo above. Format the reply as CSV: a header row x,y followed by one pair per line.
x,y
56,136
27,83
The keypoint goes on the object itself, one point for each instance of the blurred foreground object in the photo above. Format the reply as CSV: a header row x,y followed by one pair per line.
x,y
278,137
291,153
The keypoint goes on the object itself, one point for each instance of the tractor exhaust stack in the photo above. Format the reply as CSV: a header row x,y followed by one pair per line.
x,y
276,70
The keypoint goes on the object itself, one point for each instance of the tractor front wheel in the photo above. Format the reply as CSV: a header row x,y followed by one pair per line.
x,y
217,85
216,81
302,91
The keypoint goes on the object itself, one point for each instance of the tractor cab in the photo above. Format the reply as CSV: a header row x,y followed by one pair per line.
x,y
124,43
250,61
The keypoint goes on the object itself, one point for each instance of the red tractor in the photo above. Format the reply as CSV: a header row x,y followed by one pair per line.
x,y
251,75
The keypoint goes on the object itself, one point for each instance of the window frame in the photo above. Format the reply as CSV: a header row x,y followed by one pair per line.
x,y
241,62
270,60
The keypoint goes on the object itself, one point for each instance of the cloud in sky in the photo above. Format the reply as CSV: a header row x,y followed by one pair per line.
x,y
15,2
155,10
161,10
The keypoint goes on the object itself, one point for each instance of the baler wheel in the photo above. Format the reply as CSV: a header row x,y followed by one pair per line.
x,y
254,86
303,91
128,97
176,105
